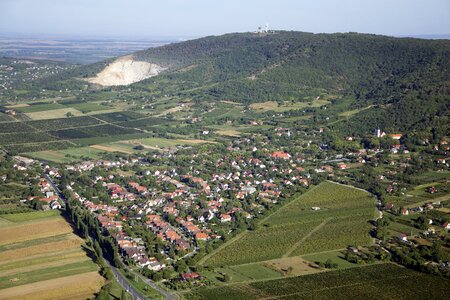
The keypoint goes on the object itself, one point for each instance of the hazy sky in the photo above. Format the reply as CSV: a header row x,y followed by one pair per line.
x,y
177,18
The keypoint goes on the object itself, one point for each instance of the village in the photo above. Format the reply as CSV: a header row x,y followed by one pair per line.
x,y
166,209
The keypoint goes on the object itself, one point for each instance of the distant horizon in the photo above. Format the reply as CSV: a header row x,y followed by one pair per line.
x,y
179,38
179,19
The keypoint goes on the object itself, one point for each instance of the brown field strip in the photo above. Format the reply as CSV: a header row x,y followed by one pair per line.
x,y
230,132
40,250
80,286
30,261
18,105
35,230
53,114
299,266
56,263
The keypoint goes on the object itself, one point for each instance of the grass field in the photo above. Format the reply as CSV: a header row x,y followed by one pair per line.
x,y
39,249
163,143
53,114
229,132
335,256
95,151
382,281
88,107
31,216
39,107
140,285
116,147
256,271
67,155
274,106
296,229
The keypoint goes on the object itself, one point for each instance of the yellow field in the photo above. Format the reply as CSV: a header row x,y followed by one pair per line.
x,y
41,250
230,132
41,258
18,105
170,111
80,286
53,114
34,230
272,105
38,266
298,265
194,141
265,106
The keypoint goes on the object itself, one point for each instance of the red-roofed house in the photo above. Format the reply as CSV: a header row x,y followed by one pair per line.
x,y
201,236
225,218
396,136
280,155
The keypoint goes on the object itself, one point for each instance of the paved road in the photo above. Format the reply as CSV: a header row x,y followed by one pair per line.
x,y
135,294
55,188
167,295
121,278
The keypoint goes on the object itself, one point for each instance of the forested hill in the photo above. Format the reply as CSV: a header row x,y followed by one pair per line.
x,y
405,79
252,67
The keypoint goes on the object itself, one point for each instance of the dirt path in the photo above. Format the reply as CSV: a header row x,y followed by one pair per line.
x,y
241,235
120,126
350,186
318,227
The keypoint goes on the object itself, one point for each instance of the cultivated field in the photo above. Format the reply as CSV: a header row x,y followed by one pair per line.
x,y
383,281
274,106
41,258
80,286
296,229
53,114
35,215
45,126
34,230
164,143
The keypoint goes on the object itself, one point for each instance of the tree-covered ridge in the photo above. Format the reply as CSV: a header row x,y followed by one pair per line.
x,y
404,81
303,60
407,80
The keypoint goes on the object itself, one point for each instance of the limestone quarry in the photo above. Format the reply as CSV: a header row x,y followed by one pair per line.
x,y
126,70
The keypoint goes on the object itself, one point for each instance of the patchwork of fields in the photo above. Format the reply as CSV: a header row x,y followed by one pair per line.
x,y
62,130
296,229
41,258
383,281
45,131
